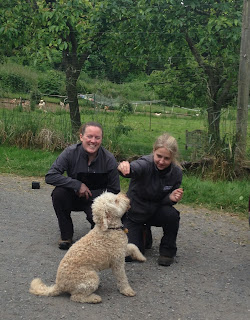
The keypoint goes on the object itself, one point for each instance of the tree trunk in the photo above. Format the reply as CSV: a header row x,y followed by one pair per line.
x,y
73,63
243,87
71,81
213,84
213,122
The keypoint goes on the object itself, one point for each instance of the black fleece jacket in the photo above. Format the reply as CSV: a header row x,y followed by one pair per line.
x,y
150,188
99,176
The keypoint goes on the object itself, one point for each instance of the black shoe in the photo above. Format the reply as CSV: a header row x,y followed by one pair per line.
x,y
65,244
165,261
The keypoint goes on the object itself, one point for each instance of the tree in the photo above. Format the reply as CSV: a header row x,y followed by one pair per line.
x,y
243,87
194,43
198,37
66,26
15,31
76,28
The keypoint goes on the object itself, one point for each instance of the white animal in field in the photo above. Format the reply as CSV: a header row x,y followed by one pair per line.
x,y
41,105
64,104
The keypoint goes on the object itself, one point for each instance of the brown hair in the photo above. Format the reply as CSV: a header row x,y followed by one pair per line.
x,y
90,124
168,142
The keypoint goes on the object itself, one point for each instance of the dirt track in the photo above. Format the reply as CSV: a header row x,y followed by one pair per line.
x,y
211,279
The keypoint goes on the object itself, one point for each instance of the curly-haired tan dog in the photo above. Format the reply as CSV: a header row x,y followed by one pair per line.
x,y
105,246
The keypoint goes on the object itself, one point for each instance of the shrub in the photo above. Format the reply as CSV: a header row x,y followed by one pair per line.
x,y
52,83
16,78
35,97
126,107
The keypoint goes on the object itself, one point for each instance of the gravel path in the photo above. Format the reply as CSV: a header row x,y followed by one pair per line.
x,y
210,279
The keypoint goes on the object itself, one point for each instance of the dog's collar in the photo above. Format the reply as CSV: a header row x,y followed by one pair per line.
x,y
119,228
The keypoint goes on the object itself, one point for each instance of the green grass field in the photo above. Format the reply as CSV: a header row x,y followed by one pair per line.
x,y
140,129
22,153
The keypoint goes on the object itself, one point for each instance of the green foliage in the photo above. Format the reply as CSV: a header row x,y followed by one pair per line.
x,y
126,107
35,97
136,90
52,83
194,46
96,66
15,32
178,87
17,78
34,129
22,79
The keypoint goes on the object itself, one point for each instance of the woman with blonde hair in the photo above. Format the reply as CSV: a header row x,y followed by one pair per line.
x,y
154,189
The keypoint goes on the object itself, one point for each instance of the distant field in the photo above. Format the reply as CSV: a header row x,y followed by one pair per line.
x,y
31,141
126,134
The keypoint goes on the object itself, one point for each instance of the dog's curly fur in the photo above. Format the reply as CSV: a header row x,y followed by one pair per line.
x,y
105,246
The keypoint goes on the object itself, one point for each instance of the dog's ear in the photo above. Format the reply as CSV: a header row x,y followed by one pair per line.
x,y
103,208
107,215
100,215
104,220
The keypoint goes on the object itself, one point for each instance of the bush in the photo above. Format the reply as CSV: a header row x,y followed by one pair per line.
x,y
35,97
52,83
17,79
126,107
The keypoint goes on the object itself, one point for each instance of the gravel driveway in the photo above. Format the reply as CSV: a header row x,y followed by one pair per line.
x,y
210,279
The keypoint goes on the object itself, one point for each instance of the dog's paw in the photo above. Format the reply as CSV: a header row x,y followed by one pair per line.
x,y
129,292
92,298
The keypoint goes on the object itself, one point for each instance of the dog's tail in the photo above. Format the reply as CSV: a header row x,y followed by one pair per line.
x,y
38,288
134,252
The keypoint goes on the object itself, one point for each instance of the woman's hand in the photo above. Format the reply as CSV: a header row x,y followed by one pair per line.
x,y
84,192
124,167
176,195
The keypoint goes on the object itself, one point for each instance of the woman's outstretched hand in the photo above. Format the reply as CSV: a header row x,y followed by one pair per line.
x,y
124,167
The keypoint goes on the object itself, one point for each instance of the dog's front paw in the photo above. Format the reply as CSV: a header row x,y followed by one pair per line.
x,y
129,292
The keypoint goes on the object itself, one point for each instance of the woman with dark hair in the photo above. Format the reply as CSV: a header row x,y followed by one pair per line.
x,y
91,170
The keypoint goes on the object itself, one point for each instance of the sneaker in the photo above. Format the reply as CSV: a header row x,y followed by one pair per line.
x,y
65,244
165,261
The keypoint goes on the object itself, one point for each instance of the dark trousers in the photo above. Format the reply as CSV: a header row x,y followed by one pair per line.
x,y
64,201
166,217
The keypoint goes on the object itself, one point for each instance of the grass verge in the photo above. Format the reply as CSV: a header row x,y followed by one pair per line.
x,y
221,195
